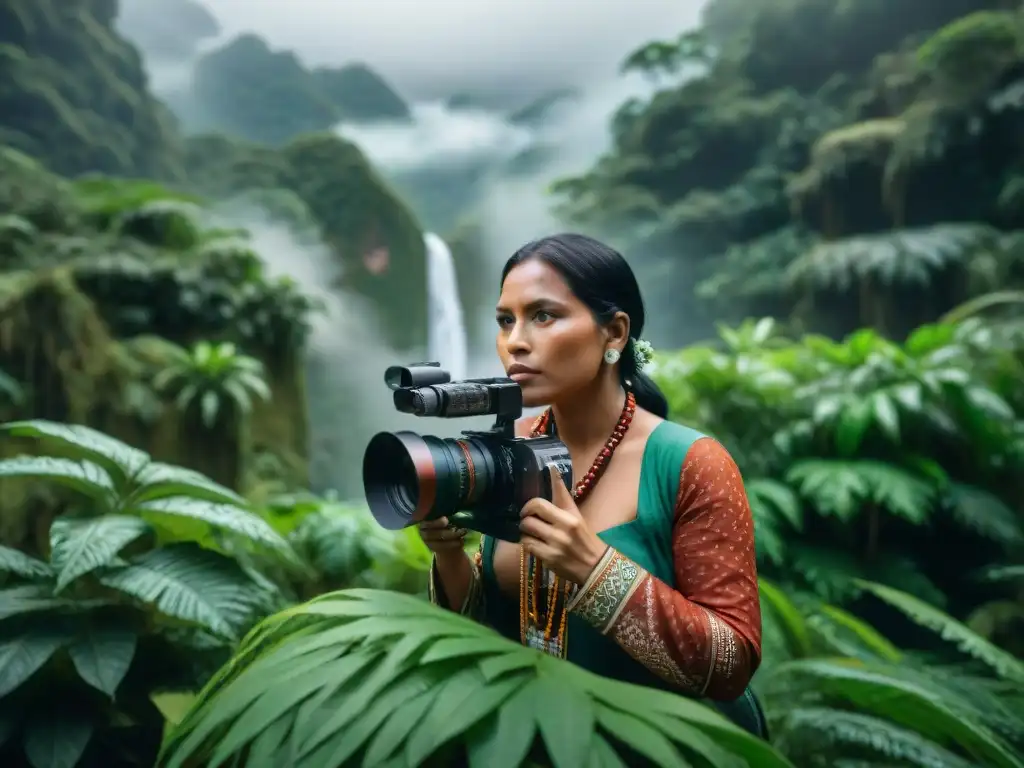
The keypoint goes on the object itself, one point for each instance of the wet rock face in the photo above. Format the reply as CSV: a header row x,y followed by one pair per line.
x,y
249,90
74,93
165,29
373,236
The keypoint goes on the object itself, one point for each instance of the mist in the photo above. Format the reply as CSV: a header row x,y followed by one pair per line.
x,y
346,356
502,56
508,51
510,209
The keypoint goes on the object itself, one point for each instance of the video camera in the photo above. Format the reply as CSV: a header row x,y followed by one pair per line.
x,y
479,481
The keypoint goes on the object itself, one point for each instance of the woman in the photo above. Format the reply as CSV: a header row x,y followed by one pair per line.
x,y
646,572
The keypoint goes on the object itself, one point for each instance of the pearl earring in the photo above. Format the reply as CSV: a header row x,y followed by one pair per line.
x,y
611,356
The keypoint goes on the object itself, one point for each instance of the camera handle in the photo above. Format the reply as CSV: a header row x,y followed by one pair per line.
x,y
502,528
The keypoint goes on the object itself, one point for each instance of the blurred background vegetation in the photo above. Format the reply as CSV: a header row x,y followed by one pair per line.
x,y
826,205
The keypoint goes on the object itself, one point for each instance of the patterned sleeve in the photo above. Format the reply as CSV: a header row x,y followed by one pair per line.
x,y
702,634
472,605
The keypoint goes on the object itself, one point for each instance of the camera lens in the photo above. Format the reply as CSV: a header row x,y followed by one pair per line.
x,y
409,478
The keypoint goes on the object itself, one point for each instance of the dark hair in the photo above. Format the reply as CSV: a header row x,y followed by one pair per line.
x,y
599,277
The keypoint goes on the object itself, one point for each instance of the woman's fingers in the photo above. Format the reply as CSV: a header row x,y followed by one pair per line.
x,y
438,534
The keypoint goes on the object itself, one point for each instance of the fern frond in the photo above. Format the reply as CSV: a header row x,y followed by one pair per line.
x,y
950,629
901,257
879,691
375,678
986,514
819,731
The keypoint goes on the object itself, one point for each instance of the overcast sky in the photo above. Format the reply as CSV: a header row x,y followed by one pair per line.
x,y
436,48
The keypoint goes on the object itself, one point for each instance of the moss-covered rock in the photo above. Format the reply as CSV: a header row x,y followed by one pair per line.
x,y
73,92
360,94
113,271
375,238
248,90
847,168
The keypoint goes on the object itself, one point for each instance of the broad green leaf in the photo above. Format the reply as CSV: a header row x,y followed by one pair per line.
x,y
159,481
989,403
886,415
789,617
80,546
224,516
17,563
57,742
854,420
119,459
504,739
30,598
192,584
82,476
22,655
293,656
102,657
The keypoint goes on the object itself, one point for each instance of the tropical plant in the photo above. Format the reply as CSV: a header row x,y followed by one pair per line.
x,y
852,449
837,691
11,392
137,590
212,378
142,210
376,678
343,546
213,385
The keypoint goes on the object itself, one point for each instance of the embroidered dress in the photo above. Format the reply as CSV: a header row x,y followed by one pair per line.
x,y
673,604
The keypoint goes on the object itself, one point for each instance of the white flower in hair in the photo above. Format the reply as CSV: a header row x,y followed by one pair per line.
x,y
643,353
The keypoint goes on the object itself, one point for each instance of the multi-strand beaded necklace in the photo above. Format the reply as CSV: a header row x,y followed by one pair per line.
x,y
542,623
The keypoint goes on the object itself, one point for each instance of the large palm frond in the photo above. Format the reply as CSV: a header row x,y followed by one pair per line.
x,y
386,679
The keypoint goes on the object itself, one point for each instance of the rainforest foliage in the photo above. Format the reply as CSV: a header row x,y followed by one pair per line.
x,y
169,593
864,174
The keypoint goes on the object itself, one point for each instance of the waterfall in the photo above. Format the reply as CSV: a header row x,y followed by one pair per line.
x,y
446,327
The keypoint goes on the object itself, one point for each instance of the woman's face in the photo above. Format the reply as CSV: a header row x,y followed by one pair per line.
x,y
548,340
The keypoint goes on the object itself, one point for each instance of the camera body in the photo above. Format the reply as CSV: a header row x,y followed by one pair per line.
x,y
479,481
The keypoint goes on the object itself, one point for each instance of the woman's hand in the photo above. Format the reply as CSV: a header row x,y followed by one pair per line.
x,y
441,538
556,533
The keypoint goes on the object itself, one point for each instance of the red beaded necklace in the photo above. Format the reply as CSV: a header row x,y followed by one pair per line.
x,y
538,627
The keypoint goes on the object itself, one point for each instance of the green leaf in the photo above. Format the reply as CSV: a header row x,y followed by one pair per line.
x,y
159,481
79,547
120,460
21,656
270,670
506,738
209,405
951,630
854,420
103,657
82,476
17,563
57,742
878,690
223,516
192,584
989,403
886,415
29,598
986,514
647,741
